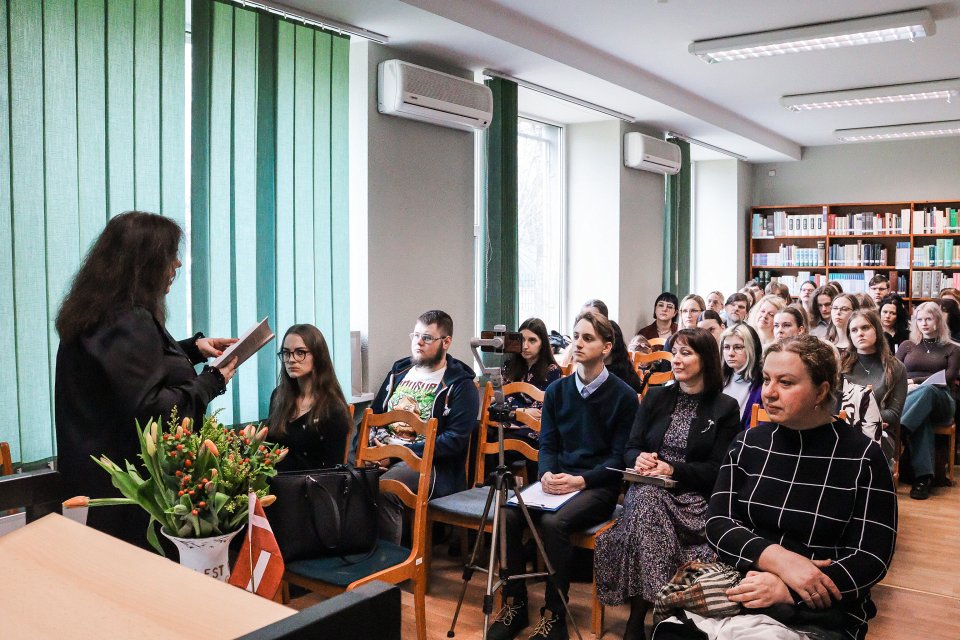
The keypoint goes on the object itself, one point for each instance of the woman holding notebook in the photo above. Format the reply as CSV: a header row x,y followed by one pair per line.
x,y
117,363
681,432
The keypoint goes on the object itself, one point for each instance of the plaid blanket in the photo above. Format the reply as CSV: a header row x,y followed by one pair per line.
x,y
698,587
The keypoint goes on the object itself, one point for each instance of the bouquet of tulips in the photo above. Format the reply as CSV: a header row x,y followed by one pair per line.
x,y
196,480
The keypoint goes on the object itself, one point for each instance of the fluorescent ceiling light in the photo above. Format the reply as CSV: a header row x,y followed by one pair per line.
x,y
901,131
912,92
906,25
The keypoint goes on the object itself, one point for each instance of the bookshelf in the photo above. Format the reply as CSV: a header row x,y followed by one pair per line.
x,y
915,244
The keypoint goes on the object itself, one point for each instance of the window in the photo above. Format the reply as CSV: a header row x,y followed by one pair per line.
x,y
541,220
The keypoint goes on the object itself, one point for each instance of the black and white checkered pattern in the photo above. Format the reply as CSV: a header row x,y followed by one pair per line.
x,y
822,493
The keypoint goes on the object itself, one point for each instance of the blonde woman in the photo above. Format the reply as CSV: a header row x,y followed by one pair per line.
x,y
690,309
740,350
761,316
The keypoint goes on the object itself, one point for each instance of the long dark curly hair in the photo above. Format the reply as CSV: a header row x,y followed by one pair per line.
x,y
128,266
516,367
328,399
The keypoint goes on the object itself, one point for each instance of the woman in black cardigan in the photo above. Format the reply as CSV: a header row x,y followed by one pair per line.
x,y
682,432
117,363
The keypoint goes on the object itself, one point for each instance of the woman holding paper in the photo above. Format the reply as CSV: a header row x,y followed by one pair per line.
x,y
308,412
681,432
927,352
117,364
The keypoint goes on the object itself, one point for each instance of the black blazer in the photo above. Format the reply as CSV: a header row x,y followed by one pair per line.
x,y
716,425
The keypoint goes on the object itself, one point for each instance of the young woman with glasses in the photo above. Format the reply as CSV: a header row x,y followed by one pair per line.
x,y
741,350
690,308
308,412
664,323
843,305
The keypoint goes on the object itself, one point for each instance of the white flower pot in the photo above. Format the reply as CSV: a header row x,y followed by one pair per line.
x,y
205,555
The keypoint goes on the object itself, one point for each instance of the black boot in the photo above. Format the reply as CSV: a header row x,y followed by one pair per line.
x,y
511,620
638,612
552,626
921,488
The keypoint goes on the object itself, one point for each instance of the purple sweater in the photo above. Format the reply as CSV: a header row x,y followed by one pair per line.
x,y
924,359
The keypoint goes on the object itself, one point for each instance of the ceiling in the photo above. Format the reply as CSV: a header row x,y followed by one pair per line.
x,y
631,56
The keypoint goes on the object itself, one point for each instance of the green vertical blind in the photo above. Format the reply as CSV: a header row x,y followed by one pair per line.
x,y
499,226
91,125
269,216
677,231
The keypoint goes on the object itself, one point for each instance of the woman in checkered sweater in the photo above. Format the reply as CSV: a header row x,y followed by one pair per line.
x,y
804,506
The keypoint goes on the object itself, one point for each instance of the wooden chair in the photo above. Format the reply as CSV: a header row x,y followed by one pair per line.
x,y
656,379
6,460
950,431
588,540
656,342
567,369
389,563
758,414
643,360
463,510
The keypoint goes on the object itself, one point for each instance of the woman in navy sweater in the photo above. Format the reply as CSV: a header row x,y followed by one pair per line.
x,y
584,426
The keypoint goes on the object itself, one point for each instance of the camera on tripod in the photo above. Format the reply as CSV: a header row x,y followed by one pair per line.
x,y
497,341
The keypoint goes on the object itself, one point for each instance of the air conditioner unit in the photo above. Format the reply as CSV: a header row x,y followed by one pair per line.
x,y
650,154
411,91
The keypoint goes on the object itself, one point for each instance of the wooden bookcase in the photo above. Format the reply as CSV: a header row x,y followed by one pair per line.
x,y
848,241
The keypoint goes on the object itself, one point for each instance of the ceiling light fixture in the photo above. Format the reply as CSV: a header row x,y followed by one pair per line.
x,y
889,94
905,25
900,131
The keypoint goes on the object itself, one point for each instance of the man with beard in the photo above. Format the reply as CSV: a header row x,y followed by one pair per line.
x,y
442,388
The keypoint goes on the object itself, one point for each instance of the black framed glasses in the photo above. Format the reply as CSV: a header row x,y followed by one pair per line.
x,y
297,355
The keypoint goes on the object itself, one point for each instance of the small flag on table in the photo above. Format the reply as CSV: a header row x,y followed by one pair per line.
x,y
259,567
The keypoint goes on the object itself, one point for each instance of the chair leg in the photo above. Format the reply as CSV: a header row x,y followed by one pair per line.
x,y
420,602
597,614
952,453
428,555
284,592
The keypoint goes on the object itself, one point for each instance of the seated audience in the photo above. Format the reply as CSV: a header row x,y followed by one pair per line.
x,y
595,305
951,312
806,293
308,412
534,365
819,310
804,507
712,322
436,385
619,362
682,431
789,322
761,317
843,305
690,308
879,288
585,424
928,351
735,309
741,350
895,321
715,301
869,362
664,322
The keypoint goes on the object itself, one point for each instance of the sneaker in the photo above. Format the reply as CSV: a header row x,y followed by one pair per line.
x,y
510,621
552,626
921,488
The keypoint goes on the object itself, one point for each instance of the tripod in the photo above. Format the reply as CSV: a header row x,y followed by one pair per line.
x,y
497,498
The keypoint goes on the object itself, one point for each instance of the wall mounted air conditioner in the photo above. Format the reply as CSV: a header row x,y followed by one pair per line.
x,y
411,91
650,154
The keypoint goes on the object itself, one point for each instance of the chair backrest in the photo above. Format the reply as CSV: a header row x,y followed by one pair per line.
x,y
758,414
643,360
423,464
567,369
657,379
485,448
656,342
6,460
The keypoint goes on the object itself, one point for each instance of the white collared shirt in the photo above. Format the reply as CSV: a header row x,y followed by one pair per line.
x,y
586,390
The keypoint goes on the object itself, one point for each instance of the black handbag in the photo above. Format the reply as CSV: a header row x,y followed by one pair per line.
x,y
325,512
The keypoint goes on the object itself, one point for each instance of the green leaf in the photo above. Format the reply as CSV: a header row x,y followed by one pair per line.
x,y
152,537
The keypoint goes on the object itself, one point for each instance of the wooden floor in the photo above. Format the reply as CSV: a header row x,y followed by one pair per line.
x,y
919,598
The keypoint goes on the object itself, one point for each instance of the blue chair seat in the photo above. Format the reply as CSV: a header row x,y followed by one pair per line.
x,y
467,503
336,571
616,514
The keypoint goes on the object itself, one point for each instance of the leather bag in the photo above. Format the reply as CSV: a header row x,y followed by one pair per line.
x,y
325,512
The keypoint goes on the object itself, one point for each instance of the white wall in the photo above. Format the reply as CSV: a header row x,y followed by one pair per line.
x,y
593,216
641,240
419,216
870,172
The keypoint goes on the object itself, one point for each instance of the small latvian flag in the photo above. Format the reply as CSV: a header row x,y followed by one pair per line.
x,y
259,567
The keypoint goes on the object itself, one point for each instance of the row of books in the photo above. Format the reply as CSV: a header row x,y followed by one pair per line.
x,y
859,254
869,223
794,282
927,284
941,254
781,223
933,220
790,255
